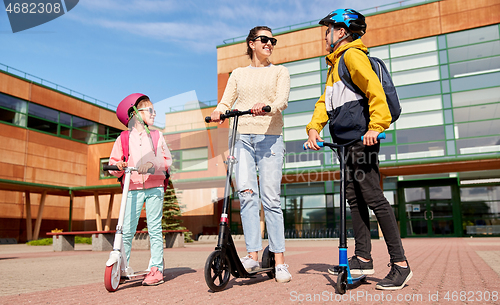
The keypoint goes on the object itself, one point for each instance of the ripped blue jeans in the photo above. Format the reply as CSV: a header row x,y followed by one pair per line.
x,y
263,153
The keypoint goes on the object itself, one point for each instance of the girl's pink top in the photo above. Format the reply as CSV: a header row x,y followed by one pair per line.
x,y
140,152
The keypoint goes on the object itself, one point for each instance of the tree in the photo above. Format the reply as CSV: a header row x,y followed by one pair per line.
x,y
172,212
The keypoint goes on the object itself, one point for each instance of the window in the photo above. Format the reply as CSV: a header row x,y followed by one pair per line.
x,y
194,159
34,116
472,36
103,173
303,66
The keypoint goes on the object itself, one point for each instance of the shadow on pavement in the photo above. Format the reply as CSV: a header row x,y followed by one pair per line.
x,y
172,273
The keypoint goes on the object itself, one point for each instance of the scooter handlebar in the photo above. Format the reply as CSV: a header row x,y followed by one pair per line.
x,y
380,136
233,113
107,167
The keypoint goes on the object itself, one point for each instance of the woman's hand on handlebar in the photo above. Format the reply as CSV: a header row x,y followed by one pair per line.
x,y
121,165
370,138
313,138
257,109
215,117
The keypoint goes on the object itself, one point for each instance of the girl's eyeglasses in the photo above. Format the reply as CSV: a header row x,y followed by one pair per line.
x,y
265,39
151,110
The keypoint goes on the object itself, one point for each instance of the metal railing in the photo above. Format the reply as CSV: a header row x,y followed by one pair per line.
x,y
368,11
46,83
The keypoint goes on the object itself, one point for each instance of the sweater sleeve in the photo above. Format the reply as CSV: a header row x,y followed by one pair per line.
x,y
230,94
282,91
365,78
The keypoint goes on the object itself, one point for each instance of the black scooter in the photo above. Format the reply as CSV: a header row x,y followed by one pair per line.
x,y
224,261
344,276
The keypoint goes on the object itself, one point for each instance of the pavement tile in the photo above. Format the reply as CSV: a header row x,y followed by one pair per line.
x,y
445,270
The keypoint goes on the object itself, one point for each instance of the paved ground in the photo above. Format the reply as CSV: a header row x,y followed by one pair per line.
x,y
446,271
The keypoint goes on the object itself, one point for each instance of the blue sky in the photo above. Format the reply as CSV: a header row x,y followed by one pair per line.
x,y
108,49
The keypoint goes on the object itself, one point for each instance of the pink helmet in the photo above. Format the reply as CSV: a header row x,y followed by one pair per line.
x,y
123,110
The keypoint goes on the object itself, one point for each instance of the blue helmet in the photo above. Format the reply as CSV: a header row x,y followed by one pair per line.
x,y
348,18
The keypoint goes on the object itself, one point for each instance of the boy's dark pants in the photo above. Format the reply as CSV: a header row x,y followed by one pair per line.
x,y
363,191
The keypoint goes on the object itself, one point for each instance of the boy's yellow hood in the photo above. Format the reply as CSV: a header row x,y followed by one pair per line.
x,y
333,57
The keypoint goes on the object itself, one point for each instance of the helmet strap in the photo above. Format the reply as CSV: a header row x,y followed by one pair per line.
x,y
334,44
140,119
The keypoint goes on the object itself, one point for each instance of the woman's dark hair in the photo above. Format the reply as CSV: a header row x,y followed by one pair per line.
x,y
252,35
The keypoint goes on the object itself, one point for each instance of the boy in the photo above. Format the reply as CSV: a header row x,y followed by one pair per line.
x,y
136,112
352,116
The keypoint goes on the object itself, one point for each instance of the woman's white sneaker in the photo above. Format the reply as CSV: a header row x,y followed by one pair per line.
x,y
249,264
282,274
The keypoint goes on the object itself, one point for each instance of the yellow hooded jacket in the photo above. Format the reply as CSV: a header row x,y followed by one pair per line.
x,y
351,115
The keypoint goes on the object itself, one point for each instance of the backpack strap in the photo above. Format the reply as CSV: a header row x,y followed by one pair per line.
x,y
124,135
345,76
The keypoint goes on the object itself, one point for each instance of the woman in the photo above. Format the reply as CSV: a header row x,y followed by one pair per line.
x,y
259,146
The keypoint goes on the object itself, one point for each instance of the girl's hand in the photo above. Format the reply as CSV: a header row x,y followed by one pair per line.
x,y
121,165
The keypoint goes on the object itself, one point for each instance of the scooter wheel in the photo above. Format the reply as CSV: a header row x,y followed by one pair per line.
x,y
217,271
342,282
269,262
112,277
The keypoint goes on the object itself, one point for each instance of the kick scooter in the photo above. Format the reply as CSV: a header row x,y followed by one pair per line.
x,y
117,269
224,261
344,276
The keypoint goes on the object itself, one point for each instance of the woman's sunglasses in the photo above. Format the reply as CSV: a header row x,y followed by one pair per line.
x,y
151,110
265,39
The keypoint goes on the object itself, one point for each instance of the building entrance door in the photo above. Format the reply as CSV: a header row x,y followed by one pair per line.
x,y
430,208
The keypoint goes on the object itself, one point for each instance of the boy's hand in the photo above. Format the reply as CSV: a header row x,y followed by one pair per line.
x,y
313,138
143,169
370,138
121,165
215,117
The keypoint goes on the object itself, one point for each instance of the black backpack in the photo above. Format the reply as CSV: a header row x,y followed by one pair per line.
x,y
380,69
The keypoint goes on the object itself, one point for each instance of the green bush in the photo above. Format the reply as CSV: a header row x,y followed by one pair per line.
x,y
48,241
83,240
40,242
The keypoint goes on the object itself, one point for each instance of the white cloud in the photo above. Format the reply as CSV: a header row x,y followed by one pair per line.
x,y
202,25
133,6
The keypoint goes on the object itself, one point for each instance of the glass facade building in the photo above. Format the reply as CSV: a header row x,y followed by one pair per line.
x,y
449,87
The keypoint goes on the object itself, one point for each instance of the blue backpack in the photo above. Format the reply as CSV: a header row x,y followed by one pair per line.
x,y
384,76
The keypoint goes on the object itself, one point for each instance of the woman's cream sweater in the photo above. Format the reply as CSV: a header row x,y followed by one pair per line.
x,y
250,85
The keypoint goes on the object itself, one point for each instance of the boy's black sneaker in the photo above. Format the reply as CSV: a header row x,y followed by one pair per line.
x,y
396,279
356,266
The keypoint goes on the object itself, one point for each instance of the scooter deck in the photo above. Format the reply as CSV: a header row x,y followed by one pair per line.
x,y
260,270
355,280
135,275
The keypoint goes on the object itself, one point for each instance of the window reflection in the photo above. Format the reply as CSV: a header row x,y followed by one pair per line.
x,y
476,97
440,192
474,51
476,129
420,134
472,36
478,145
43,112
475,67
476,113
414,194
